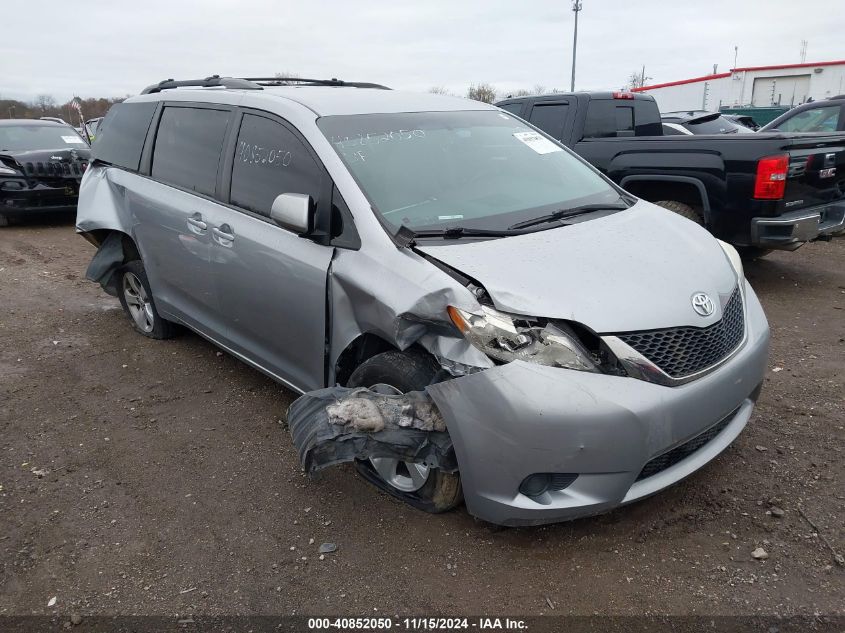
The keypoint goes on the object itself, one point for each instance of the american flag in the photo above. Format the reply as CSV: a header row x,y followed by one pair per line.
x,y
76,105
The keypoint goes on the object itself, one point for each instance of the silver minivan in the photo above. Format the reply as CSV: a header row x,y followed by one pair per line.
x,y
469,310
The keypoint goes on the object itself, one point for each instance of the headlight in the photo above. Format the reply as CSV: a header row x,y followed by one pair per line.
x,y
498,335
734,258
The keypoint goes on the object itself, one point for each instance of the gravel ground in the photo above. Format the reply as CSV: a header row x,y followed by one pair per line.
x,y
147,477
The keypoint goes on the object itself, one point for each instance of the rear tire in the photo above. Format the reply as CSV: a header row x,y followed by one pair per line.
x,y
133,290
684,210
750,253
406,371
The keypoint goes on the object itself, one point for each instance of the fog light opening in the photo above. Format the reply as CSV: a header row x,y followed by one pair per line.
x,y
539,484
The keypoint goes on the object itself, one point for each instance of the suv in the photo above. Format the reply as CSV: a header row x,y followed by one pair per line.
x,y
468,308
815,116
703,122
41,166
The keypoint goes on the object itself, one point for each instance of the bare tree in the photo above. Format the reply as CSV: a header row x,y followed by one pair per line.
x,y
286,73
440,90
539,89
483,92
638,79
45,102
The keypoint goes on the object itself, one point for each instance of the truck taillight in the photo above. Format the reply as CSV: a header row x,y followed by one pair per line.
x,y
771,177
623,95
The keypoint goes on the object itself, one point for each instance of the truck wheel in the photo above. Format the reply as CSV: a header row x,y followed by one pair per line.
x,y
684,210
421,486
750,253
133,290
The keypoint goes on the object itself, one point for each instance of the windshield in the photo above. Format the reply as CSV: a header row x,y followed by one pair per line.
x,y
32,137
476,169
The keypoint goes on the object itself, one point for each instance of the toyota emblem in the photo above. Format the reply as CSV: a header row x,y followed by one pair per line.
x,y
702,304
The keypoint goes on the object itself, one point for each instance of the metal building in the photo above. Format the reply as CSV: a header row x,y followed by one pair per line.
x,y
759,86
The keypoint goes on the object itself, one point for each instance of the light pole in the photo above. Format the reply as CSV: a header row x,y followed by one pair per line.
x,y
576,7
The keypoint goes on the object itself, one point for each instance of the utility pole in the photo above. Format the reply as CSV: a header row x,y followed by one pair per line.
x,y
576,7
736,53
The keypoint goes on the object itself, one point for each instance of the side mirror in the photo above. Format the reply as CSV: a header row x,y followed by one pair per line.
x,y
293,211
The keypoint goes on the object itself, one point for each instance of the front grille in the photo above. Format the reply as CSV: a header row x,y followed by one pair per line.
x,y
670,458
683,351
55,168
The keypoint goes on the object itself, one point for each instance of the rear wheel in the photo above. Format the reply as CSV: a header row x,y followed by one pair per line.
x,y
684,210
135,295
750,253
419,485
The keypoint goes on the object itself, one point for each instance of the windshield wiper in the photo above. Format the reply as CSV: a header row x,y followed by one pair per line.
x,y
562,214
408,236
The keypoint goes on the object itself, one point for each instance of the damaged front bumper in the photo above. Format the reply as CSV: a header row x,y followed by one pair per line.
x,y
24,202
612,439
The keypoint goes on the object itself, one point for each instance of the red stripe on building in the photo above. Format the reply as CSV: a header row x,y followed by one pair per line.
x,y
736,70
786,66
683,81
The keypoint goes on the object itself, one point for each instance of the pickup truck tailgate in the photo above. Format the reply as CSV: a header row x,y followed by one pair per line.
x,y
816,171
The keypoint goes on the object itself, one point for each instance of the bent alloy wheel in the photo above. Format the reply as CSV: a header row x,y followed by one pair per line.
x,y
426,488
133,290
404,476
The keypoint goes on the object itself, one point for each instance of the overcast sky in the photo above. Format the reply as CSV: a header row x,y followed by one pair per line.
x,y
116,47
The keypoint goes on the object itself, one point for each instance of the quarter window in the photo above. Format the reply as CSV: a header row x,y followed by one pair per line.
x,y
120,136
270,160
188,146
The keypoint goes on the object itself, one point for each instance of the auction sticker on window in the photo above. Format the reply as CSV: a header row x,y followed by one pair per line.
x,y
73,139
538,143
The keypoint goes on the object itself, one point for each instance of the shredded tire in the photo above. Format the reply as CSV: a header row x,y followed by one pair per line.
x,y
408,371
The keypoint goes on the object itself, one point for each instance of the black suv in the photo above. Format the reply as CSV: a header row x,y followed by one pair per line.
x,y
41,166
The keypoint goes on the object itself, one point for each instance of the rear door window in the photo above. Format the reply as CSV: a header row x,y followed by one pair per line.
x,y
624,121
550,117
822,119
188,146
270,160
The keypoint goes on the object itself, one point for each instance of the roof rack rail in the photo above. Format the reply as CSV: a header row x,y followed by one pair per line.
x,y
209,82
286,81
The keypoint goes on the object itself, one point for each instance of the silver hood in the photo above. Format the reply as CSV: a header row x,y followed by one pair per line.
x,y
633,270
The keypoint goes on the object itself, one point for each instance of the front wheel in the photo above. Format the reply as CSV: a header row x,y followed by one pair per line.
x,y
135,295
426,488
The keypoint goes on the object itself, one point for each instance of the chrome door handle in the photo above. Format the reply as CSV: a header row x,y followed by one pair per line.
x,y
196,222
223,234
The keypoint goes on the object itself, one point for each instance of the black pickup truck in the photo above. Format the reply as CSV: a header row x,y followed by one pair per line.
x,y
757,191
41,167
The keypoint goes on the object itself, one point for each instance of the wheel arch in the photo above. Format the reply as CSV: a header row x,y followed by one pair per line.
x,y
114,248
685,189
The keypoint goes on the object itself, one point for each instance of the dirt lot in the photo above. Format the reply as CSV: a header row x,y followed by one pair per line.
x,y
144,477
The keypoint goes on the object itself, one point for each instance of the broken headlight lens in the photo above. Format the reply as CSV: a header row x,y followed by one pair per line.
x,y
506,339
